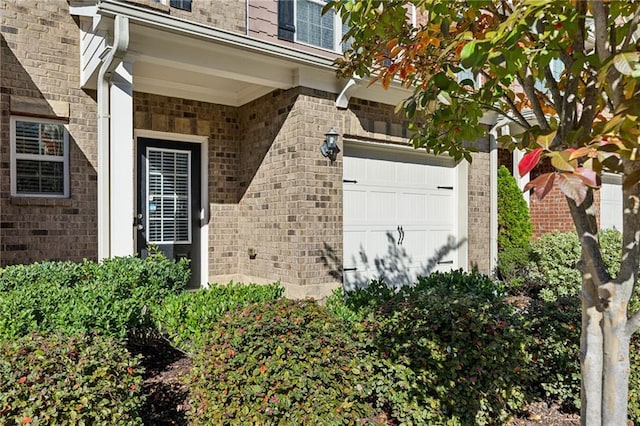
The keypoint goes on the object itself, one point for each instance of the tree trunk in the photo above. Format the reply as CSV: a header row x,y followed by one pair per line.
x,y
591,361
616,368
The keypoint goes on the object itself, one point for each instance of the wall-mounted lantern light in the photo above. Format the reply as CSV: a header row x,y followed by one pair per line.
x,y
329,147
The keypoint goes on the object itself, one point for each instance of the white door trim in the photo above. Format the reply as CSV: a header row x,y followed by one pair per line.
x,y
204,187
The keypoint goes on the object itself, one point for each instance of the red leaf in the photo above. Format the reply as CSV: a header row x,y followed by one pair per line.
x,y
529,161
588,176
573,187
541,185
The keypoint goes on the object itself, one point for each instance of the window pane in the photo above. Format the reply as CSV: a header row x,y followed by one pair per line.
x,y
39,177
39,138
312,27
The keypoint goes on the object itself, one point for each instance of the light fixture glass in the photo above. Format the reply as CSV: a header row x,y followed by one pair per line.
x,y
329,147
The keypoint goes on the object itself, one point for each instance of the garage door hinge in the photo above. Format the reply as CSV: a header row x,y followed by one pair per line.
x,y
446,262
349,269
349,181
445,187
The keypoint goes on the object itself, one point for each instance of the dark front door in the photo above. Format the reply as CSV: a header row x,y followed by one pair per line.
x,y
168,190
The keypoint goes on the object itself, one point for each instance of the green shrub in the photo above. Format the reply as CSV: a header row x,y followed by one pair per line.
x,y
61,379
513,269
457,354
514,221
186,317
335,303
108,298
63,274
555,328
280,362
556,257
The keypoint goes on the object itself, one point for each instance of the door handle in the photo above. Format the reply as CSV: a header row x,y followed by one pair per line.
x,y
138,223
400,235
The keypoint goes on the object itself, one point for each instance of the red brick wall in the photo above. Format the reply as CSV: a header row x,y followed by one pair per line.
x,y
552,213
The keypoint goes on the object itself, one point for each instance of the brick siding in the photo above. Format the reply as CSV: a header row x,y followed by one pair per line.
x,y
227,15
40,61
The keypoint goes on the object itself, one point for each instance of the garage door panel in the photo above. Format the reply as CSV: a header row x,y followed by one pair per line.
x,y
412,207
354,243
415,242
442,250
411,174
380,172
440,207
354,205
440,176
381,206
354,168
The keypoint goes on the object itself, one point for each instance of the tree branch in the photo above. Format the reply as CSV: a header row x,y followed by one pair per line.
x,y
633,324
528,85
589,105
553,88
629,37
600,28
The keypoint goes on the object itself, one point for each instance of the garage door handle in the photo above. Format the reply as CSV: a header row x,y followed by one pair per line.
x,y
400,235
445,187
446,262
349,181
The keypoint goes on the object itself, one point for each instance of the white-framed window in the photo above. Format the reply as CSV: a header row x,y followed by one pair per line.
x,y
39,157
314,28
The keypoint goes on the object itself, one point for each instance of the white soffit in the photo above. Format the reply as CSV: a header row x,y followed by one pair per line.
x,y
177,58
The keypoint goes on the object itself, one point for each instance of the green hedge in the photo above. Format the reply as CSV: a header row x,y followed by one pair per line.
x,y
515,229
280,362
108,298
187,316
62,379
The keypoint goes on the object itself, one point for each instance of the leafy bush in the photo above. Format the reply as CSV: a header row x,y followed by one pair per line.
x,y
556,257
63,274
186,317
457,354
513,268
555,328
109,298
61,379
280,362
514,221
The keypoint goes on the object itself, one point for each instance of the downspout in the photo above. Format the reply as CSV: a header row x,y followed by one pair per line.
x,y
246,18
111,61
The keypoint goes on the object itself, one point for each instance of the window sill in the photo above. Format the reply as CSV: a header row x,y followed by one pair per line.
x,y
17,200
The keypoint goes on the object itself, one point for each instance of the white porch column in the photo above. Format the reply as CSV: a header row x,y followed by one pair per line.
x,y
522,181
122,152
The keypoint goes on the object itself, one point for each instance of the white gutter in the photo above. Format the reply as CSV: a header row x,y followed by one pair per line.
x,y
113,58
246,18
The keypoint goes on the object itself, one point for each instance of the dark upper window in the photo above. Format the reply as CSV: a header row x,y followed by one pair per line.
x,y
302,21
181,4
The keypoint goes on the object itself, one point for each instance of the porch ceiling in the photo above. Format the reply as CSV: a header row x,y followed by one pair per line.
x,y
171,64
178,58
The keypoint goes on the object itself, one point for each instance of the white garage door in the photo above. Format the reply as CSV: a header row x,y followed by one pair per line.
x,y
400,216
611,203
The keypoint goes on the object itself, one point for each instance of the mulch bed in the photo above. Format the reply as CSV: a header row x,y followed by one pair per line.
x,y
165,370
